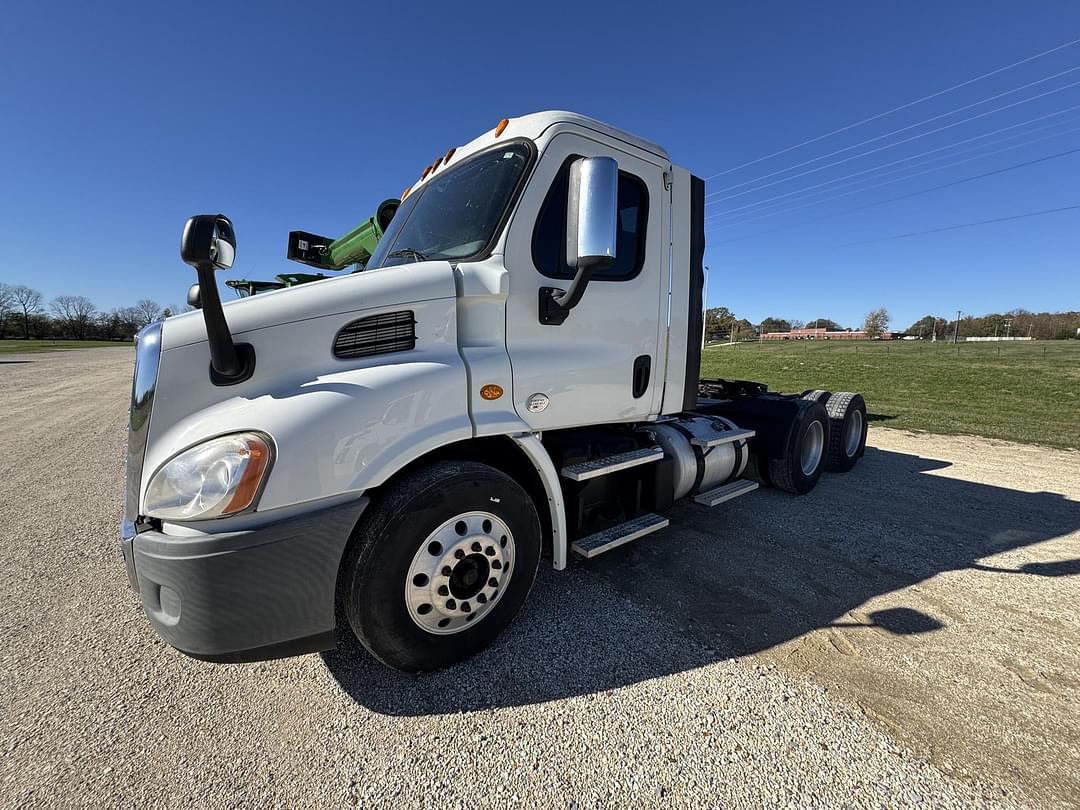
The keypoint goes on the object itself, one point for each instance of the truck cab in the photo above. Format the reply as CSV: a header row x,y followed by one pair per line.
x,y
513,375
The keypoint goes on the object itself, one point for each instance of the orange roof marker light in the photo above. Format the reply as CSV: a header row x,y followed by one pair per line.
x,y
436,164
449,154
501,126
405,193
427,171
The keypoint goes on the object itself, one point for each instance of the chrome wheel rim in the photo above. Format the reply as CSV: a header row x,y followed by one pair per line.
x,y
853,433
459,573
812,445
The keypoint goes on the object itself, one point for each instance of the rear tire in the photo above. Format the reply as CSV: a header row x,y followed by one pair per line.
x,y
816,395
440,565
847,433
799,469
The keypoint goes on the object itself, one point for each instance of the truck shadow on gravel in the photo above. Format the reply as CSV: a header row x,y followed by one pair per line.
x,y
729,582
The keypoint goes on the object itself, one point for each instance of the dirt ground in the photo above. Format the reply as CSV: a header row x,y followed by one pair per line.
x,y
906,634
938,587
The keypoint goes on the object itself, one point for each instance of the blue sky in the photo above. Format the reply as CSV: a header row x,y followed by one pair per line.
x,y
120,120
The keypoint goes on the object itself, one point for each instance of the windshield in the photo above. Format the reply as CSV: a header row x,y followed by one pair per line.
x,y
455,215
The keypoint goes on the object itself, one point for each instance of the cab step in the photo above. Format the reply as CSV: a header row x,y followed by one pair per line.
x,y
727,437
609,464
595,544
726,492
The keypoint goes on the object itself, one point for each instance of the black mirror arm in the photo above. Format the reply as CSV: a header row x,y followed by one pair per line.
x,y
555,303
569,299
225,360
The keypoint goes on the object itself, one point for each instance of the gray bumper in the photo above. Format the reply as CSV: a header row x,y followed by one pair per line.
x,y
249,595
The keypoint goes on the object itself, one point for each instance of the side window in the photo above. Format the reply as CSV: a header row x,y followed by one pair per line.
x,y
549,235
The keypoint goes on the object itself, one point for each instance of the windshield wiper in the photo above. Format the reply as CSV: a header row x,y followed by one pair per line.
x,y
407,253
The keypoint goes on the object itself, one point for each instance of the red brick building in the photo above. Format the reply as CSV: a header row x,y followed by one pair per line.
x,y
821,334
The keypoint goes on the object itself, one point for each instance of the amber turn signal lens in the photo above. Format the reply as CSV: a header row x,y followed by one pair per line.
x,y
251,478
491,391
501,126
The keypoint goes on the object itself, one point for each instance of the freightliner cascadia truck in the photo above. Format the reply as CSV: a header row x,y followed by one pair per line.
x,y
513,375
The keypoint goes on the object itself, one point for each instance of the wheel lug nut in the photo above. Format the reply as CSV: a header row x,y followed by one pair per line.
x,y
476,546
481,598
450,604
459,554
447,570
493,583
490,551
465,608
444,591
496,564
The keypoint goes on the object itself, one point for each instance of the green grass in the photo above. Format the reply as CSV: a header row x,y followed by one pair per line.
x,y
12,346
1026,392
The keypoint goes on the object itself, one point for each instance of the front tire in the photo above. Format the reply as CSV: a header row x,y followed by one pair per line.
x,y
440,565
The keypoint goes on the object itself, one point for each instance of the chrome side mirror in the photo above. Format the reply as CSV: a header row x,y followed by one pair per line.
x,y
592,210
591,213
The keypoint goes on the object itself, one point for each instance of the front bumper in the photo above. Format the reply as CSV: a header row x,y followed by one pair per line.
x,y
250,595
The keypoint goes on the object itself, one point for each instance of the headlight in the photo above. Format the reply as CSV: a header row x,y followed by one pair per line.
x,y
219,477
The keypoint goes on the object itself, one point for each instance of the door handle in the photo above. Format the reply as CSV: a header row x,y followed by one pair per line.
x,y
642,367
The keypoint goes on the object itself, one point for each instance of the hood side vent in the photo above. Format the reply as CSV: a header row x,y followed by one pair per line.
x,y
376,334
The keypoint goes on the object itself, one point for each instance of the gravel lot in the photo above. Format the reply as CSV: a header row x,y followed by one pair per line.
x,y
905,635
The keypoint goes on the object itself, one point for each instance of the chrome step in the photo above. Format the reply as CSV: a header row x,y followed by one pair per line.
x,y
723,438
716,496
610,464
594,544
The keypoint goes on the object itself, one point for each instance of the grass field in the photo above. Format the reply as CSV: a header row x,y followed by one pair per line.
x,y
1021,392
12,346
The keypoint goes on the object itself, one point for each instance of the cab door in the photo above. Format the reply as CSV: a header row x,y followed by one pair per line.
x,y
603,363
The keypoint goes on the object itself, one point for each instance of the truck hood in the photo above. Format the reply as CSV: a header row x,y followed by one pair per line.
x,y
370,289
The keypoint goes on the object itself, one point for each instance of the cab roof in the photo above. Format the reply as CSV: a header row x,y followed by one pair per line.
x,y
533,126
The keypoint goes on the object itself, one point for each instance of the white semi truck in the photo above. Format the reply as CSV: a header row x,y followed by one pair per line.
x,y
514,375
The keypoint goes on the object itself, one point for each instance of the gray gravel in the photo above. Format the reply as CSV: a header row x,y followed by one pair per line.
x,y
602,693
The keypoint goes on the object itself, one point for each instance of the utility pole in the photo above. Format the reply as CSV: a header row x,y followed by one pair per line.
x,y
956,331
1008,326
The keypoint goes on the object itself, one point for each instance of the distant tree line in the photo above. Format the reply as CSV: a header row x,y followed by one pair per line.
x,y
722,324
24,313
1015,323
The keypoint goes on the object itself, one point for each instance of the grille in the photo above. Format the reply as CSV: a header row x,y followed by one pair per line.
x,y
377,334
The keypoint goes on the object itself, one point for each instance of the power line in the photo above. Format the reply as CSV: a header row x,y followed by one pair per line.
x,y
896,109
874,169
966,225
935,230
898,131
961,181
717,226
903,141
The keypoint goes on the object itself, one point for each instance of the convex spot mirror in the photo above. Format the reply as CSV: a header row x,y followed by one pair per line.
x,y
209,242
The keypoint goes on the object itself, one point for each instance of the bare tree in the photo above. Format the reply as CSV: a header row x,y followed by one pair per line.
x,y
28,301
148,311
7,300
108,325
76,312
130,320
876,322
